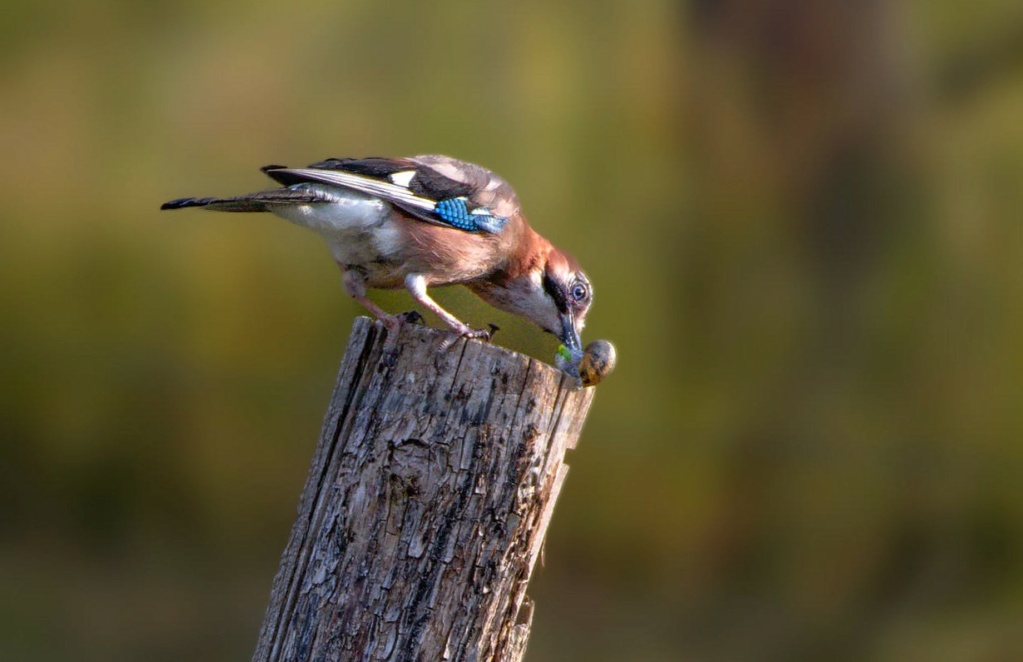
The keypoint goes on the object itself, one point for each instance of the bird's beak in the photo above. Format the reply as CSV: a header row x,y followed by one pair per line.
x,y
569,337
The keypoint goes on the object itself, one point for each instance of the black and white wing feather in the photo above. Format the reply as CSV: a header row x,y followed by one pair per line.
x,y
254,202
435,189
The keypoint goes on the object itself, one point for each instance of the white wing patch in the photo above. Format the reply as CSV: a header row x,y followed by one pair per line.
x,y
403,179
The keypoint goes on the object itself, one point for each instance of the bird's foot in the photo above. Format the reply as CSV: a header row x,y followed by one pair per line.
x,y
392,323
466,331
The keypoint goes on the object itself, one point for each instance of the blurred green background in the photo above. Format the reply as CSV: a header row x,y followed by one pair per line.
x,y
802,222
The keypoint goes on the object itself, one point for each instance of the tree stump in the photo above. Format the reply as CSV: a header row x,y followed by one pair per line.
x,y
426,504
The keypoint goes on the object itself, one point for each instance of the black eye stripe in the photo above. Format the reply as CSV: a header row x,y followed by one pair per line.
x,y
556,292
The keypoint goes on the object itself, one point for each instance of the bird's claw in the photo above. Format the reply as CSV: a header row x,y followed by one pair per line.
x,y
393,325
467,331
486,335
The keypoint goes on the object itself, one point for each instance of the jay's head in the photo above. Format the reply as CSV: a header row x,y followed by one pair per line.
x,y
566,298
552,292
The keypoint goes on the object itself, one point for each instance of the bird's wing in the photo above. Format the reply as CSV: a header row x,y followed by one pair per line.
x,y
454,198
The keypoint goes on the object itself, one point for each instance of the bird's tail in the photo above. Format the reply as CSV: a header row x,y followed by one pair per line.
x,y
253,202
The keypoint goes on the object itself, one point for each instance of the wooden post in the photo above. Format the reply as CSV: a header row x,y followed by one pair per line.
x,y
426,504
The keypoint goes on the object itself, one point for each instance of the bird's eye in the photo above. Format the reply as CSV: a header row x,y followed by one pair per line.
x,y
580,292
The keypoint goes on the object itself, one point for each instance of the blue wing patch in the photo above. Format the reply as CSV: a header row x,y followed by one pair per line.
x,y
455,212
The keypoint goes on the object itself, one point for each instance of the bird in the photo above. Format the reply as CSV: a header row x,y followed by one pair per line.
x,y
427,221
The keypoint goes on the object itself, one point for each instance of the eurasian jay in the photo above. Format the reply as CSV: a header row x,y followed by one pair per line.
x,y
426,221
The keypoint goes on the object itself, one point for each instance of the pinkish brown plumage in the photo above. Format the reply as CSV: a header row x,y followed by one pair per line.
x,y
425,221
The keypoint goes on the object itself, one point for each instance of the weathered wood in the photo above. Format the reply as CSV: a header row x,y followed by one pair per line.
x,y
426,504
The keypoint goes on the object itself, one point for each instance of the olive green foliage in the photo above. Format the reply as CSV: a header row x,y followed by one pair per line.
x,y
801,219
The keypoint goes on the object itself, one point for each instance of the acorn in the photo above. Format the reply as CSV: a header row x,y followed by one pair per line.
x,y
597,362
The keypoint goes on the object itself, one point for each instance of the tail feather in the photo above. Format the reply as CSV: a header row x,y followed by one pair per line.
x,y
253,202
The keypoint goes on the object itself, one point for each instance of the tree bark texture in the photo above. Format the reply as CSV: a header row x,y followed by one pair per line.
x,y
426,504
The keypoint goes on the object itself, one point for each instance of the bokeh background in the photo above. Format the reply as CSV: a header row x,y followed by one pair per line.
x,y
802,221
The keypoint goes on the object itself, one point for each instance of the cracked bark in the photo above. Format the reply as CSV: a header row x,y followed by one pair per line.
x,y
426,504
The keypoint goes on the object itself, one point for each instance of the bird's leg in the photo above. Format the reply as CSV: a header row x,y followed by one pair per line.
x,y
416,285
355,286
